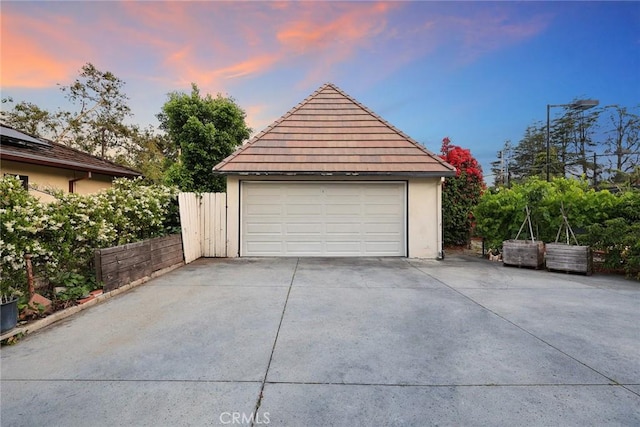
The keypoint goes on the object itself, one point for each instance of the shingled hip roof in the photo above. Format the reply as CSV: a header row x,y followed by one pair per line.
x,y
330,133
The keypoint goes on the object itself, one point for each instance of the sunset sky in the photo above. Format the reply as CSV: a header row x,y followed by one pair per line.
x,y
478,72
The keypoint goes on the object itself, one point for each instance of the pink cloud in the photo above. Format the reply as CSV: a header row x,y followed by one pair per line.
x,y
31,56
253,65
341,27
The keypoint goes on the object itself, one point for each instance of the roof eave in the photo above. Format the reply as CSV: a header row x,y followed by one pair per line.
x,y
338,173
42,161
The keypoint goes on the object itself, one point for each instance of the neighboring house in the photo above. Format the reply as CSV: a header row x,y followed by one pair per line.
x,y
42,164
331,178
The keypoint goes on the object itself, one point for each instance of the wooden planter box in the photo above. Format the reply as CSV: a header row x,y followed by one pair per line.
x,y
523,253
570,258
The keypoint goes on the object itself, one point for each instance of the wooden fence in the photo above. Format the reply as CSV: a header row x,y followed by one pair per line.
x,y
203,219
121,265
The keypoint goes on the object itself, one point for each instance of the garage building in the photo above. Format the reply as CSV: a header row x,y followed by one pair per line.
x,y
332,178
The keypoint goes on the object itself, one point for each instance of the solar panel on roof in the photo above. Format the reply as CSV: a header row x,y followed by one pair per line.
x,y
13,136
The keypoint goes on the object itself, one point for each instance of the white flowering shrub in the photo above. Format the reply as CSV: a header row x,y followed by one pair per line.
x,y
137,211
62,235
23,220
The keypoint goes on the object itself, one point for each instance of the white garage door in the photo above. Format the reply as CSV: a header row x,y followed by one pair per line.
x,y
323,219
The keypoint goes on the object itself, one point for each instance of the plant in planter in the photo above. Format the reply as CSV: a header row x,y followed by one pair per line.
x,y
523,253
9,296
562,256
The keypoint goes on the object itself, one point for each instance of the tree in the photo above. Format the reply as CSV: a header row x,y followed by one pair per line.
x,y
149,152
28,117
623,142
97,125
460,194
583,138
500,168
94,124
204,130
571,138
530,156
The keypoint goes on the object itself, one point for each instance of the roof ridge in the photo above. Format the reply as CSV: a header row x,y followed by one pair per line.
x,y
390,126
270,127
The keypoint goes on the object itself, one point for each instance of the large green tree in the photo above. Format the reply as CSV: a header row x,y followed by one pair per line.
x,y
204,130
529,155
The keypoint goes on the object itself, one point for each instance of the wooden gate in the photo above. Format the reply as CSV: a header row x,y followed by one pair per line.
x,y
203,219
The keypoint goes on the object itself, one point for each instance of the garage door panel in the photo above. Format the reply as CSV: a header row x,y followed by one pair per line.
x,y
304,248
264,228
344,237
295,190
302,209
265,248
379,210
262,192
350,228
382,237
304,228
342,198
342,190
343,248
323,219
263,209
351,210
380,228
381,189
380,248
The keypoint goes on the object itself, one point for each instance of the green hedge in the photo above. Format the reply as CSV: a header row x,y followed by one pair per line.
x,y
605,221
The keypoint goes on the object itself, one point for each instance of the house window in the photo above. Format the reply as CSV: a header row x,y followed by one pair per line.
x,y
23,178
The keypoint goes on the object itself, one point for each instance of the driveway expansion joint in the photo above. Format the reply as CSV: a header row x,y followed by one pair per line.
x,y
504,385
273,348
614,382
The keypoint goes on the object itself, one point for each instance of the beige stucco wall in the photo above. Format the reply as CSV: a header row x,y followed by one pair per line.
x,y
50,177
424,217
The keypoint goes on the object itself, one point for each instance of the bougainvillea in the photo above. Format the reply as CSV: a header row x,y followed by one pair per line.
x,y
460,194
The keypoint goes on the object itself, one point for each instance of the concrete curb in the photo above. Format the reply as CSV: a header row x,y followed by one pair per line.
x,y
63,314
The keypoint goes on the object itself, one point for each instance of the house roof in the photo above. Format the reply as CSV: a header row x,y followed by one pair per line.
x,y
330,133
21,147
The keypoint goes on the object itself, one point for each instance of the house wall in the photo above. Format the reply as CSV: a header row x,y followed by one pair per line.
x,y
425,217
57,178
424,211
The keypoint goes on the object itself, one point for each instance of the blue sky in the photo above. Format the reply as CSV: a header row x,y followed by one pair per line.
x,y
478,72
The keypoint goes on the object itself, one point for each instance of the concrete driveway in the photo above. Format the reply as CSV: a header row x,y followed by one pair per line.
x,y
321,342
